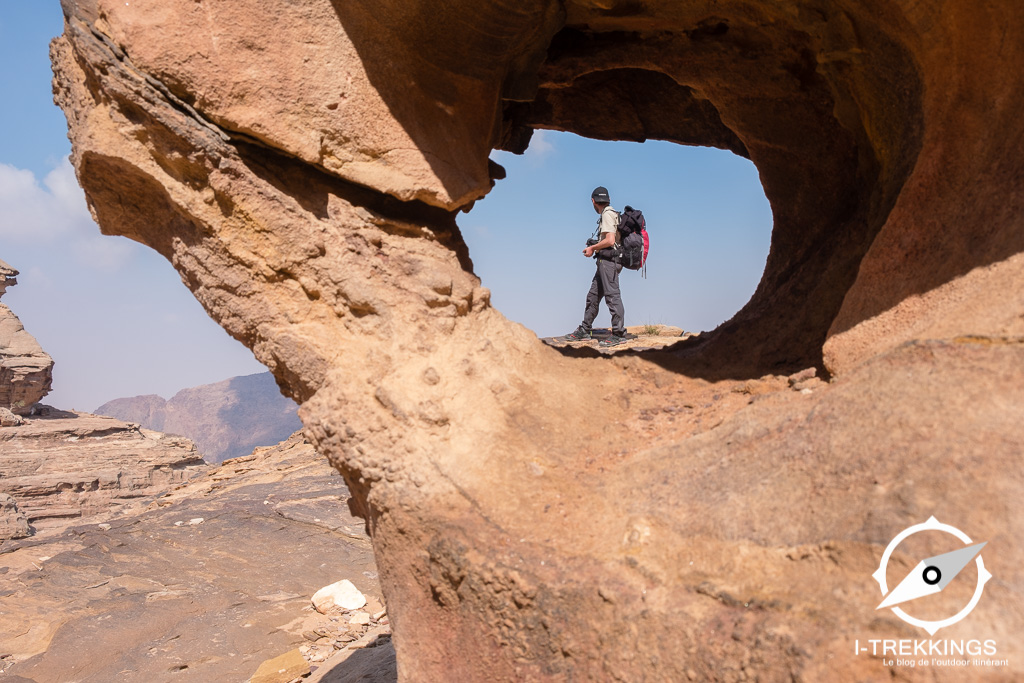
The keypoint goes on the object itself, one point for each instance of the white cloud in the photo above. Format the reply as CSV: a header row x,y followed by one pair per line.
x,y
64,187
541,146
54,215
31,213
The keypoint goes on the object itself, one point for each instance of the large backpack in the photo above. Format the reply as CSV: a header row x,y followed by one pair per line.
x,y
635,242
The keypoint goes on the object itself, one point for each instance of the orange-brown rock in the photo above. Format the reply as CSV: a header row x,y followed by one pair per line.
x,y
541,513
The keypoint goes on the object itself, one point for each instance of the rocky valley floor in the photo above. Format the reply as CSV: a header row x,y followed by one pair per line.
x,y
204,583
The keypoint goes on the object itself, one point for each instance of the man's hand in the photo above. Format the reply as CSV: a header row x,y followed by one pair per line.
x,y
607,241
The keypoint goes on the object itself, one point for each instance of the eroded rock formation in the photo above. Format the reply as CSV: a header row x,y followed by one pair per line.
x,y
301,164
8,277
62,465
26,371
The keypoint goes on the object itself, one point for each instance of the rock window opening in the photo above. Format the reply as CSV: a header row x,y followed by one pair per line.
x,y
709,223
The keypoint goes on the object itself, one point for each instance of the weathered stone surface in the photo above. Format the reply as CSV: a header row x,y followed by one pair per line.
x,y
281,669
9,419
226,420
26,371
137,598
721,524
13,523
70,465
385,103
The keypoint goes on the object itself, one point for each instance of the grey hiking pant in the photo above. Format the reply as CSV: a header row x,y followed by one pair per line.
x,y
605,285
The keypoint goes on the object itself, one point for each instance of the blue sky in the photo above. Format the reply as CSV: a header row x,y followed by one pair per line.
x,y
706,213
113,314
118,321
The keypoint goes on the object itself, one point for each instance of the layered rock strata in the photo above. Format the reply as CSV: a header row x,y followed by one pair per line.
x,y
62,466
723,522
26,371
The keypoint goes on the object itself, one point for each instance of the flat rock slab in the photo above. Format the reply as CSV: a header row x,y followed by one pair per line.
x,y
281,669
638,337
147,599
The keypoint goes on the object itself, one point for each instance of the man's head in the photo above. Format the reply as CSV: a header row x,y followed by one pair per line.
x,y
600,198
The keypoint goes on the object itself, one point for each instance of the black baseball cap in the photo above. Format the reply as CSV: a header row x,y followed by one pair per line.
x,y
600,195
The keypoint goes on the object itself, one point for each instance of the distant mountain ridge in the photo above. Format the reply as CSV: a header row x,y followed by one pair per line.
x,y
226,420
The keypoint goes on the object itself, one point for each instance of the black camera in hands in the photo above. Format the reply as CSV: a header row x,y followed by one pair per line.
x,y
592,241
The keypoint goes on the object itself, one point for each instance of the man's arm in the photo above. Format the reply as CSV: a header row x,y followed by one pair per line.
x,y
607,241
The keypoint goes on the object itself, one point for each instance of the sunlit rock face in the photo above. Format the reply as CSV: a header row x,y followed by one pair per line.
x,y
538,514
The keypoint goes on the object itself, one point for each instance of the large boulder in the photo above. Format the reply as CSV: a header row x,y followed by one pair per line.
x,y
301,163
26,371
13,523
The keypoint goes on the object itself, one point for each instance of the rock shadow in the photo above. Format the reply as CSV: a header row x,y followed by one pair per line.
x,y
369,665
443,69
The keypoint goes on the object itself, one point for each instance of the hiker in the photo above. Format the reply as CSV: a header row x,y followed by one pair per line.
x,y
606,280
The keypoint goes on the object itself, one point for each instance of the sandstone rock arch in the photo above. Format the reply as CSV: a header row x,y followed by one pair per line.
x,y
300,164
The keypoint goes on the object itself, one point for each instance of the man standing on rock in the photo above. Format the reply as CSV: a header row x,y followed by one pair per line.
x,y
606,280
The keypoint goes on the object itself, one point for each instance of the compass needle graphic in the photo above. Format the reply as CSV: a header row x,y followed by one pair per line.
x,y
930,576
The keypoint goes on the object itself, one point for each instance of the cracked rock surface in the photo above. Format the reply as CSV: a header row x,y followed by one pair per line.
x,y
714,509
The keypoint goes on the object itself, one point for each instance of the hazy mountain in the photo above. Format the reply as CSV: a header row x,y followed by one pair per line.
x,y
225,420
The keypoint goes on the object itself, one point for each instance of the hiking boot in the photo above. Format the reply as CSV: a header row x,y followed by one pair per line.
x,y
613,340
581,334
